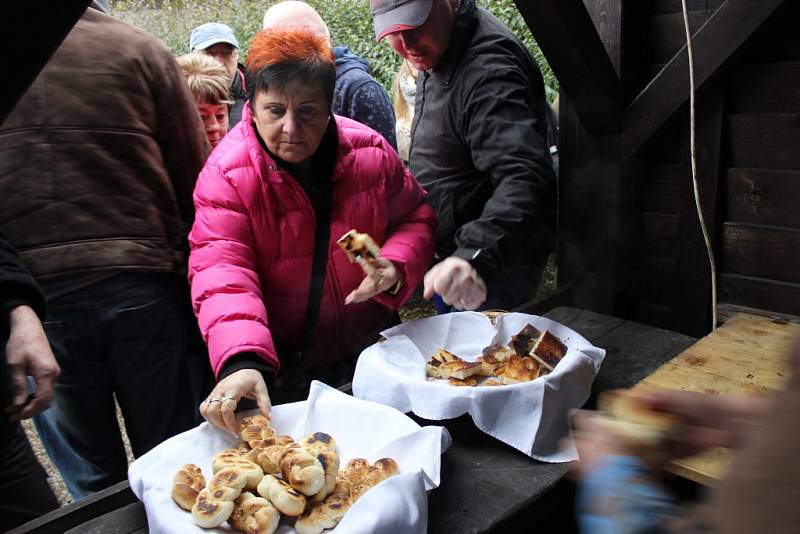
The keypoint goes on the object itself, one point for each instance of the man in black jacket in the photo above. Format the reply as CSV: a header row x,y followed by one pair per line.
x,y
479,147
24,493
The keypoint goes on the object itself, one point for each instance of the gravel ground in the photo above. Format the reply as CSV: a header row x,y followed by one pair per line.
x,y
416,308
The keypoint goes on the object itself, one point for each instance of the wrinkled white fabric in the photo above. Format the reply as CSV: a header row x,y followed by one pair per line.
x,y
531,417
362,429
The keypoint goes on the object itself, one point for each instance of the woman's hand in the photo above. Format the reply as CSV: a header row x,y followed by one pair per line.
x,y
458,283
218,409
380,277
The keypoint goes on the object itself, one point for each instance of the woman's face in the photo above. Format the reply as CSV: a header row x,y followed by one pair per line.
x,y
215,121
293,120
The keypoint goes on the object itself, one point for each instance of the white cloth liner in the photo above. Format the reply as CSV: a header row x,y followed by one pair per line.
x,y
531,417
361,429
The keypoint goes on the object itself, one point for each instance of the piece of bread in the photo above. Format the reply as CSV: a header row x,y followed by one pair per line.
x,y
267,453
187,485
497,353
302,470
254,515
318,442
231,477
323,515
645,430
330,463
444,364
356,245
208,512
232,458
467,382
254,428
361,476
523,342
285,498
492,383
518,370
548,350
214,505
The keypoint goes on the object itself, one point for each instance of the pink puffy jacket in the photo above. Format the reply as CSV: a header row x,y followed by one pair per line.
x,y
253,238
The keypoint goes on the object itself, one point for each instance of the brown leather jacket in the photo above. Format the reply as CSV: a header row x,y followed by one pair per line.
x,y
99,159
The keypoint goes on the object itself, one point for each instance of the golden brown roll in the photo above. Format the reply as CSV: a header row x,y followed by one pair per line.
x,y
330,464
302,470
187,485
208,512
318,442
230,458
285,498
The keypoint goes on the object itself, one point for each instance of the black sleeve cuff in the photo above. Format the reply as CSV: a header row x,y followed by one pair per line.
x,y
479,259
14,295
247,360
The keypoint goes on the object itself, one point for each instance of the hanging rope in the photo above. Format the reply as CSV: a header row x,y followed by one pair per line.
x,y
692,149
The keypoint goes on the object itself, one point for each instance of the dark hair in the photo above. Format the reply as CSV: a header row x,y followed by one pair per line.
x,y
280,56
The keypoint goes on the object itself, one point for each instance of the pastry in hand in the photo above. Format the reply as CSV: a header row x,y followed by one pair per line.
x,y
358,245
187,485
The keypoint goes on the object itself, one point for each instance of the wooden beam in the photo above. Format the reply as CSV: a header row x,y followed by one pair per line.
x,y
713,43
570,42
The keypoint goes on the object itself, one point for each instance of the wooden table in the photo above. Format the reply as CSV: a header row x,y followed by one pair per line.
x,y
486,485
745,356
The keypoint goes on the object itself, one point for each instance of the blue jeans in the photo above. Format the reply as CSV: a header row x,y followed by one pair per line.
x,y
123,337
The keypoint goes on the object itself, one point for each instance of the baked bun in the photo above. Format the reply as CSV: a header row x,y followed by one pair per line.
x,y
330,464
254,515
318,442
360,476
267,453
230,477
231,458
323,515
302,470
187,485
255,428
209,512
285,498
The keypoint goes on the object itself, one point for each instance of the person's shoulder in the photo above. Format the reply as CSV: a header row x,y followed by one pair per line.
x,y
119,34
357,135
494,43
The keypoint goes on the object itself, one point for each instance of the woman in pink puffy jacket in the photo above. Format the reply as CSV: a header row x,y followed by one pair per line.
x,y
270,324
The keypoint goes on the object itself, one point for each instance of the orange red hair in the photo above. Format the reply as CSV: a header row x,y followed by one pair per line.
x,y
283,45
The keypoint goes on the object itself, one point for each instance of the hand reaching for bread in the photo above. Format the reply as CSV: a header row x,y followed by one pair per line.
x,y
292,479
219,408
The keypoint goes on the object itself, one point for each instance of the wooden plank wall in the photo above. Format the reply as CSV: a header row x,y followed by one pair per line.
x,y
748,125
760,208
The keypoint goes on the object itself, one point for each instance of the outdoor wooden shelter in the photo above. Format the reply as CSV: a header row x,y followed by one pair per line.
x,y
630,241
